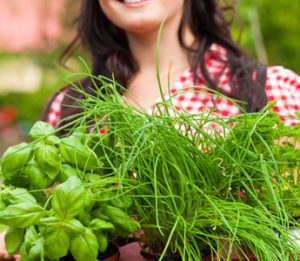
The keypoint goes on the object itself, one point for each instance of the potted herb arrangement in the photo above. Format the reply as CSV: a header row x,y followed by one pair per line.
x,y
197,192
59,201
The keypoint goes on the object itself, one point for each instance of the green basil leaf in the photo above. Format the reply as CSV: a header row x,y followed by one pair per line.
x,y
84,217
37,179
56,242
101,225
24,253
85,246
99,213
52,140
48,221
67,171
48,159
14,159
36,249
69,198
21,215
19,179
2,203
121,219
74,227
31,235
78,154
16,196
82,137
102,241
122,201
13,239
89,200
40,129
40,197
120,232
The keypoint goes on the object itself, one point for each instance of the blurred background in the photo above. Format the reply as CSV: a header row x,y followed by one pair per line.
x,y
34,32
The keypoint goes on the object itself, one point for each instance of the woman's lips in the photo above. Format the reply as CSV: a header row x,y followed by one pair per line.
x,y
134,3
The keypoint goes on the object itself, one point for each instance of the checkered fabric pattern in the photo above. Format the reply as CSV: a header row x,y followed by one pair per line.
x,y
55,109
282,85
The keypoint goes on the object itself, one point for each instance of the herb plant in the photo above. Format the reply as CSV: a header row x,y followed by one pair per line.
x,y
192,187
77,216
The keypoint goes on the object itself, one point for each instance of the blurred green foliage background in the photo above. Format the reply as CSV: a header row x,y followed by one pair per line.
x,y
279,23
270,33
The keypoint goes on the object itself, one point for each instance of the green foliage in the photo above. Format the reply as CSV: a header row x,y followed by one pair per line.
x,y
60,220
13,239
11,164
21,215
68,198
77,153
30,105
85,246
57,242
280,27
195,186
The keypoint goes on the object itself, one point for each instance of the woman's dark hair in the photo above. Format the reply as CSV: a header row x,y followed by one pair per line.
x,y
110,51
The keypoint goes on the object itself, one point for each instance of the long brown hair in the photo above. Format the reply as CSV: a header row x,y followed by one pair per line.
x,y
110,53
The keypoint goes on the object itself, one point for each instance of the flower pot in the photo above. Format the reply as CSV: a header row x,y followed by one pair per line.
x,y
111,254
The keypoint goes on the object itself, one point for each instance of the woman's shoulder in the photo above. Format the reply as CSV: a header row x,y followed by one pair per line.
x,y
283,86
283,82
55,110
52,109
278,75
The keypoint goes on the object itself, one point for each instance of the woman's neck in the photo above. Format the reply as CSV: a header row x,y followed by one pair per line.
x,y
143,88
143,48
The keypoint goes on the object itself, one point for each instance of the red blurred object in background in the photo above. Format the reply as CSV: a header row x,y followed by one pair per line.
x,y
30,24
8,115
10,132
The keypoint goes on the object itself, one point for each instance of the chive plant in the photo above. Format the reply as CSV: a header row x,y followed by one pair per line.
x,y
198,188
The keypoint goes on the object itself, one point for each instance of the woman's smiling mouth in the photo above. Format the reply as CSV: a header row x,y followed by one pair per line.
x,y
131,1
134,3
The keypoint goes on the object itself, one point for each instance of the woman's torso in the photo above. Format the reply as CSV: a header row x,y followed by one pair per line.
x,y
282,85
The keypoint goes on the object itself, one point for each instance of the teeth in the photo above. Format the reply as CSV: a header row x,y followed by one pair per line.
x,y
132,1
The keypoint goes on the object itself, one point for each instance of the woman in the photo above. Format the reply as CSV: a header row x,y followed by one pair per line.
x,y
121,37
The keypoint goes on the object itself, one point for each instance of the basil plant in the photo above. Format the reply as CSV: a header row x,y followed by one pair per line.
x,y
57,198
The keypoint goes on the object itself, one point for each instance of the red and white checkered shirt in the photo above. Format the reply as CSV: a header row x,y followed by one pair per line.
x,y
282,85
